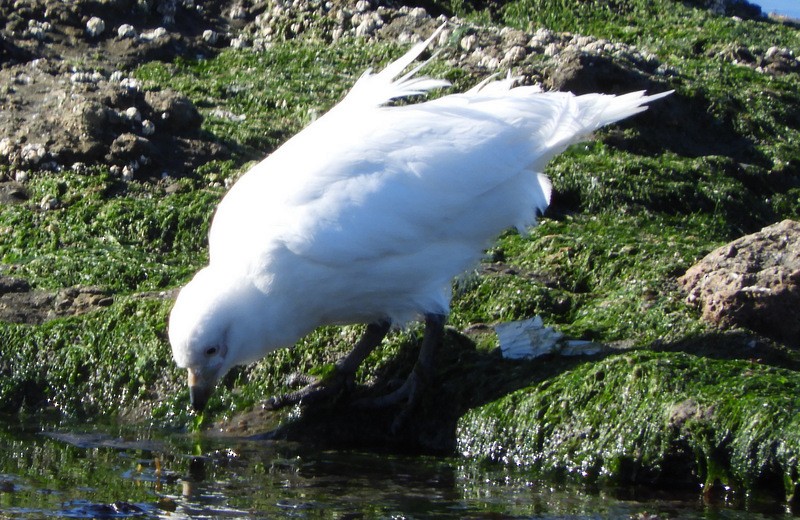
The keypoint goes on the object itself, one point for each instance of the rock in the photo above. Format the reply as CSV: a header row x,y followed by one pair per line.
x,y
581,73
10,284
33,153
172,111
740,8
468,42
155,34
19,303
126,30
148,127
513,55
780,60
647,418
95,27
752,282
12,193
48,203
129,147
210,36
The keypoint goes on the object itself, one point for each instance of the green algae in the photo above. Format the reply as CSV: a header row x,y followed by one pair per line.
x,y
631,212
127,237
671,419
604,277
110,363
278,91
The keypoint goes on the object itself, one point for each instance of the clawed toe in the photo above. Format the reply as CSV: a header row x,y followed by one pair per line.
x,y
311,393
297,379
406,394
342,378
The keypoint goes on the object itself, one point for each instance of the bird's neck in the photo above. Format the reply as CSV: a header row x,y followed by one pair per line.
x,y
277,323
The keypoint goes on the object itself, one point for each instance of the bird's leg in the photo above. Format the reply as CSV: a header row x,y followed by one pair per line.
x,y
421,375
345,371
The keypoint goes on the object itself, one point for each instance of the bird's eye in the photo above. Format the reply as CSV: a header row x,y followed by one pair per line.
x,y
210,351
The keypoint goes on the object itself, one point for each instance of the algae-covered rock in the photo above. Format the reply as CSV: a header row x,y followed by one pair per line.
x,y
108,362
671,419
631,211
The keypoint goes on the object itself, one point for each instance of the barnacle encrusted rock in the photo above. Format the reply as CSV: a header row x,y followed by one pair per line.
x,y
752,282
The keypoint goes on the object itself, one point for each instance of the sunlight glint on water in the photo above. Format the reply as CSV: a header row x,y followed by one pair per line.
x,y
70,474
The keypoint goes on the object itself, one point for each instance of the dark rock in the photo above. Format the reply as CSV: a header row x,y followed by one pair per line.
x,y
780,61
740,8
173,111
9,284
652,419
20,304
583,73
129,147
752,282
12,193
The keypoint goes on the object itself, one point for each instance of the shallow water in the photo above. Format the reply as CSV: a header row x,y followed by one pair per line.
x,y
94,472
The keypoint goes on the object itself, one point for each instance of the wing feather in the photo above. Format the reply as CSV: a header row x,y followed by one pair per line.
x,y
368,185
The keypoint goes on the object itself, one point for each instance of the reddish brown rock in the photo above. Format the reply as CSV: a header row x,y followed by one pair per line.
x,y
752,282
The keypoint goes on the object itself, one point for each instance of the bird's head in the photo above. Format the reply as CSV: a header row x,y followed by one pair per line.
x,y
217,323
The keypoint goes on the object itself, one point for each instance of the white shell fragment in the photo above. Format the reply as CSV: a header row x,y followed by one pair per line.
x,y
529,339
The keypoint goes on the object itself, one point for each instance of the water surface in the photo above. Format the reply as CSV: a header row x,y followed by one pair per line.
x,y
93,472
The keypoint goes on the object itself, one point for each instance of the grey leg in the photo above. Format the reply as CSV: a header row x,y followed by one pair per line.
x,y
420,377
344,374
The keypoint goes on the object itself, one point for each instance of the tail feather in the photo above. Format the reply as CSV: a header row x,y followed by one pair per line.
x,y
377,89
620,107
594,111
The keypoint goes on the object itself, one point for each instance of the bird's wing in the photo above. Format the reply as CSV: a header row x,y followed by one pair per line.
x,y
368,182
362,186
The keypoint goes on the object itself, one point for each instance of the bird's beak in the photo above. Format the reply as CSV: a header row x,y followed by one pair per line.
x,y
201,386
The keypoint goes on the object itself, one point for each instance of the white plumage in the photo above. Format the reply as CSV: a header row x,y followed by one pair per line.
x,y
369,213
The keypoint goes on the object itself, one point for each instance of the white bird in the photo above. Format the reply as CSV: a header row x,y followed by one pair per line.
x,y
368,214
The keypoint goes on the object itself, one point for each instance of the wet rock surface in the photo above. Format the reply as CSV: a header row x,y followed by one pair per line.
x,y
19,303
752,282
670,412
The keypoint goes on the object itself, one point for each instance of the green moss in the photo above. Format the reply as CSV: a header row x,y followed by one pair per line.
x,y
313,356
605,277
113,362
642,417
278,91
123,236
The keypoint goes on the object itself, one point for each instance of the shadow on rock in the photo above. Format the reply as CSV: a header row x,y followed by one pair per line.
x,y
663,125
466,378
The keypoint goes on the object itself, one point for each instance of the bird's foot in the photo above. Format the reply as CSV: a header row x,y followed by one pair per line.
x,y
314,391
342,377
408,394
